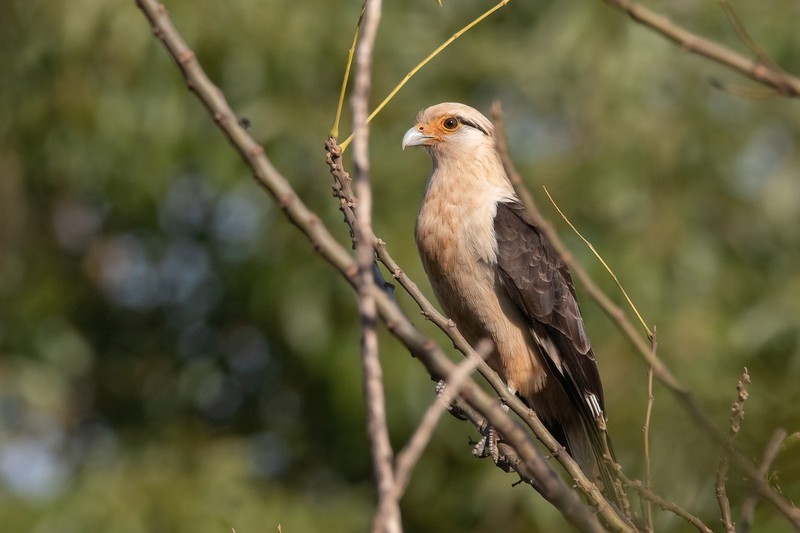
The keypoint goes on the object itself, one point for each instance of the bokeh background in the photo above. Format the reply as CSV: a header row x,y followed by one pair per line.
x,y
175,357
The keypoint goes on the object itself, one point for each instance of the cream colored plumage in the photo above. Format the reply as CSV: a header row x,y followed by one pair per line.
x,y
496,275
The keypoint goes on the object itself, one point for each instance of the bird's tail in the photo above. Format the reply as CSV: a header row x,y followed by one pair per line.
x,y
589,445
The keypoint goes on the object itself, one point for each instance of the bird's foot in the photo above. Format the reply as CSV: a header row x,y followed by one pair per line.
x,y
487,446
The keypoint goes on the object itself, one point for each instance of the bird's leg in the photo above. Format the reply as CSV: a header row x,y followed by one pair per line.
x,y
487,446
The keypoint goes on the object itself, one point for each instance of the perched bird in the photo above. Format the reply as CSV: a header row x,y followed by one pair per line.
x,y
498,276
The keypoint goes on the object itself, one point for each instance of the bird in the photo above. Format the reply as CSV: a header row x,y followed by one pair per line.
x,y
497,276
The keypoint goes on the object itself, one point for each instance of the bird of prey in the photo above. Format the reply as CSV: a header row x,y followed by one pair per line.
x,y
497,276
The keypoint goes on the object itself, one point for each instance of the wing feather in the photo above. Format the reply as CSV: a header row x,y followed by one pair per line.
x,y
540,284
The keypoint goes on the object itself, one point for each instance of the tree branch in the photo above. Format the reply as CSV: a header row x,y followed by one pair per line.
x,y
407,458
665,504
737,415
770,453
387,516
648,480
779,80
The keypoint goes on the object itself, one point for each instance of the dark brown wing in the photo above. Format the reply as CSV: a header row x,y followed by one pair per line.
x,y
539,283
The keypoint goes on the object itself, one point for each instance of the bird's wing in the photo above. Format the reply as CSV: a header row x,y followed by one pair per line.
x,y
539,283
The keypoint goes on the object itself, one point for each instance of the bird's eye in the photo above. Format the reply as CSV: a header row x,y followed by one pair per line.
x,y
450,123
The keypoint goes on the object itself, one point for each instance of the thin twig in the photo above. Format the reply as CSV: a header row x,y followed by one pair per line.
x,y
648,479
407,457
737,415
508,164
618,487
770,453
756,92
761,55
663,503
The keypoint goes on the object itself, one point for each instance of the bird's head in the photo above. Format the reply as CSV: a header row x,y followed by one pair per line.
x,y
450,128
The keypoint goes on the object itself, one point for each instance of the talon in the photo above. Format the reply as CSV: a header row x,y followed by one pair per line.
x,y
487,446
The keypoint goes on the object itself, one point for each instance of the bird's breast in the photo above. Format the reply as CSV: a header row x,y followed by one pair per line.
x,y
457,226
457,245
456,241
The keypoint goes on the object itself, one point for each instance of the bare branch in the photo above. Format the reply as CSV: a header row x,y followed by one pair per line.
x,y
407,458
737,415
648,480
662,502
387,515
782,82
770,453
251,152
508,164
747,39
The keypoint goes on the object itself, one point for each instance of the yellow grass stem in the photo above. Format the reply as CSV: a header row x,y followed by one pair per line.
x,y
602,261
424,62
335,128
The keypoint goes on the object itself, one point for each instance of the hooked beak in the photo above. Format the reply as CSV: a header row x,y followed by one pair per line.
x,y
416,137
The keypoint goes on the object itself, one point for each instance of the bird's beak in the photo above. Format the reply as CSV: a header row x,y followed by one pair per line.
x,y
416,137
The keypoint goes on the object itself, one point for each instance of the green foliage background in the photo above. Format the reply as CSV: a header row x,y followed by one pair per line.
x,y
175,357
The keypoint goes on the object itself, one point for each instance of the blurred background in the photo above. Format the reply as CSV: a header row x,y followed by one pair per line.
x,y
175,357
